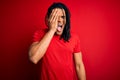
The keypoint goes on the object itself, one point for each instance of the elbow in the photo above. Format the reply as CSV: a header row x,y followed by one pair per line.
x,y
33,60
77,67
35,56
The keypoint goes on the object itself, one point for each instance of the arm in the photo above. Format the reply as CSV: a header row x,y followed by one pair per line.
x,y
38,49
79,66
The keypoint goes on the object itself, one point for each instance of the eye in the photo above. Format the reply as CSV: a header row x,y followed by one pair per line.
x,y
63,17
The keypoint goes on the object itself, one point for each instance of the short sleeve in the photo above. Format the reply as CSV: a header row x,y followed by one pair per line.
x,y
77,47
38,35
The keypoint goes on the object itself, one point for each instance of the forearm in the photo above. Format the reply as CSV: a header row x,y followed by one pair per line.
x,y
81,72
38,50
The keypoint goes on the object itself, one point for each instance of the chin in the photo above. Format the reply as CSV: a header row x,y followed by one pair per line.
x,y
59,33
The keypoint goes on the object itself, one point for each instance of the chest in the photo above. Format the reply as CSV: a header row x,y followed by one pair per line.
x,y
60,46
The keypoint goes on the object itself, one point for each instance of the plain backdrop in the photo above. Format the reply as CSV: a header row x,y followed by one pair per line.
x,y
97,22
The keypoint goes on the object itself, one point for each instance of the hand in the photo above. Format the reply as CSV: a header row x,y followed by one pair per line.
x,y
53,20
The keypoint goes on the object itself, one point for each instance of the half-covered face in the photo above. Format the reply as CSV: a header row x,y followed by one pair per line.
x,y
61,21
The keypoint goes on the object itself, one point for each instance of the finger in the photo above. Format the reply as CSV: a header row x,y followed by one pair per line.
x,y
56,20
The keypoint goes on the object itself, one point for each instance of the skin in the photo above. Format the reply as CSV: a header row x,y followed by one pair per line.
x,y
38,49
57,16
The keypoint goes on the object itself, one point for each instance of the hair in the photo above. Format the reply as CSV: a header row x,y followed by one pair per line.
x,y
66,32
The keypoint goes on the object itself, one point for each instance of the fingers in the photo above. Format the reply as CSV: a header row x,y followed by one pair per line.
x,y
53,19
53,15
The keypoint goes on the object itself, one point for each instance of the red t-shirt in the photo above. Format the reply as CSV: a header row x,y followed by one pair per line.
x,y
58,62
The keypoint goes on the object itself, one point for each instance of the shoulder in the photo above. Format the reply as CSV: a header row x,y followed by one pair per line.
x,y
38,34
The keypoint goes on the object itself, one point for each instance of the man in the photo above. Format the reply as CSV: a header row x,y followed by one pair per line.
x,y
57,48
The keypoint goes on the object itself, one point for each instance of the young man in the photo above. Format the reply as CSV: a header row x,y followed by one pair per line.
x,y
57,48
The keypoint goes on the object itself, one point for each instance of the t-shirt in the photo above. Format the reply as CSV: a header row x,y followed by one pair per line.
x,y
58,62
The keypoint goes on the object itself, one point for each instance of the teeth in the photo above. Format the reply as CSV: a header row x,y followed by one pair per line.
x,y
59,25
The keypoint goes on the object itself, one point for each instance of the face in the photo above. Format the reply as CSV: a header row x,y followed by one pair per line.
x,y
61,21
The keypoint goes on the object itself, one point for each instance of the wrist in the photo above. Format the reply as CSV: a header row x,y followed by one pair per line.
x,y
52,31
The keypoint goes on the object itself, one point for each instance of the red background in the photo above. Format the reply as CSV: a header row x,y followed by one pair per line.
x,y
96,22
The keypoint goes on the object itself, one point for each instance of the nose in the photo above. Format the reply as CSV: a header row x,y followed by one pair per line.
x,y
59,19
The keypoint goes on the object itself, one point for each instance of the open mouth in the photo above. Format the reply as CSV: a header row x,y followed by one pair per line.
x,y
59,28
